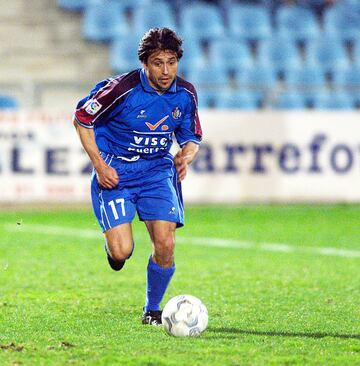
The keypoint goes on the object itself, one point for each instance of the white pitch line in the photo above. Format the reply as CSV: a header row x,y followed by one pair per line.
x,y
201,241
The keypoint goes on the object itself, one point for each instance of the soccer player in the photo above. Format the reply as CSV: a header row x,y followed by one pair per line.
x,y
126,125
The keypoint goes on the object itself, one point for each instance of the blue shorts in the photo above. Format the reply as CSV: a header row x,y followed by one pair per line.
x,y
148,187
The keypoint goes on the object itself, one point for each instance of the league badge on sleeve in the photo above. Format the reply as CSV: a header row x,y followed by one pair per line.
x,y
93,106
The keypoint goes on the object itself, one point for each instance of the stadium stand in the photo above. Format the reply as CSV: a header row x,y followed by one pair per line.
x,y
200,76
348,78
72,5
331,100
156,14
289,100
298,23
307,77
123,54
231,54
328,54
278,49
103,20
343,18
240,99
249,22
260,77
8,102
201,21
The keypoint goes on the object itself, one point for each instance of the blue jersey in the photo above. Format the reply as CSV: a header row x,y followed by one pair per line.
x,y
131,120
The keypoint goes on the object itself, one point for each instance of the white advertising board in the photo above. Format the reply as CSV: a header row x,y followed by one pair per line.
x,y
245,157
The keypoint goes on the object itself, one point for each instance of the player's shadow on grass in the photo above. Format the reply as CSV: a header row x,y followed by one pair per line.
x,y
235,331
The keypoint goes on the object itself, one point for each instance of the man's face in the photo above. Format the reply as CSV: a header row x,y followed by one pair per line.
x,y
161,69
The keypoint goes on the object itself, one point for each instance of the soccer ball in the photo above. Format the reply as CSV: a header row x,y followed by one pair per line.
x,y
184,316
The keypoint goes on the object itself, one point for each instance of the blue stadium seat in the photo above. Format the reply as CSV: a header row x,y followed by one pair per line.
x,y
281,52
231,53
289,100
305,77
72,5
333,100
248,22
103,20
343,19
208,98
201,21
356,53
328,53
123,54
155,14
208,76
356,99
193,57
349,78
261,77
240,99
297,22
8,102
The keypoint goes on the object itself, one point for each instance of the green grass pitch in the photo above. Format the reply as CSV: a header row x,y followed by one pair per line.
x,y
281,284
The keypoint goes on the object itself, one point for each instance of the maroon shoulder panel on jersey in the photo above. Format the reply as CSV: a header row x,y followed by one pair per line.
x,y
196,125
114,91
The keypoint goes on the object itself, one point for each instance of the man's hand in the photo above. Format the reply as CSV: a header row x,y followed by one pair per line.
x,y
181,162
107,176
184,157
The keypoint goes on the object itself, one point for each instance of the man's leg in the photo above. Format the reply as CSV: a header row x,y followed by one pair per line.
x,y
118,245
160,268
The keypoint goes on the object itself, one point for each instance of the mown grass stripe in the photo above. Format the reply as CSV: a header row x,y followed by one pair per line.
x,y
201,241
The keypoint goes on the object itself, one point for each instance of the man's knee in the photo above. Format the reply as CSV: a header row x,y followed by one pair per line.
x,y
164,251
119,251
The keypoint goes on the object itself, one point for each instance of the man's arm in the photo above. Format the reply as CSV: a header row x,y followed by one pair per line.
x,y
184,157
106,175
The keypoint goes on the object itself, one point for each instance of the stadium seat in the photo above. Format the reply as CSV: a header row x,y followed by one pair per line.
x,y
328,53
248,22
356,53
209,76
123,54
201,21
208,98
289,100
103,20
343,19
193,57
349,78
261,77
8,102
72,5
333,100
298,23
230,53
281,52
240,99
305,77
356,99
154,14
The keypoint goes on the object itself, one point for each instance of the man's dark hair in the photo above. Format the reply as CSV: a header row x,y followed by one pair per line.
x,y
159,39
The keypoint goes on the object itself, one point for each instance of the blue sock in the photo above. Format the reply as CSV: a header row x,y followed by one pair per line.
x,y
158,279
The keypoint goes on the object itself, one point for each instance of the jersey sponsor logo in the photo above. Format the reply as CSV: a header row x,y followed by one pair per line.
x,y
176,113
142,114
153,127
148,145
152,141
92,106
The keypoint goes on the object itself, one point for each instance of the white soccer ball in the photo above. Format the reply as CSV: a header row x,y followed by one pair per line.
x,y
184,316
